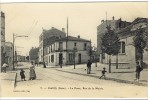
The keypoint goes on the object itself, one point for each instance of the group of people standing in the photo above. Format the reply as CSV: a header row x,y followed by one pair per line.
x,y
32,74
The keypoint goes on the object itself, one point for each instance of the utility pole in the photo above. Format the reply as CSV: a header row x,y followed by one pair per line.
x,y
44,65
14,37
66,40
13,52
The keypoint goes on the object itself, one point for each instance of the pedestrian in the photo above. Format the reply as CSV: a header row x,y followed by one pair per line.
x,y
89,66
138,70
32,72
103,73
44,64
4,66
22,74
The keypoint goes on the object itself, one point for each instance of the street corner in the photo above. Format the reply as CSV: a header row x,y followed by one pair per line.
x,y
8,79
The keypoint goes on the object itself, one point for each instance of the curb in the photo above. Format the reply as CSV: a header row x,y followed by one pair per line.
x,y
108,78
14,81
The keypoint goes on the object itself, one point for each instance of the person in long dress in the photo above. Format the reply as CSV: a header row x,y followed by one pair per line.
x,y
32,72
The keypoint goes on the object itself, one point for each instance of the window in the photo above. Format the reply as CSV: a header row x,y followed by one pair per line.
x,y
85,46
2,33
122,47
52,58
103,55
49,59
51,48
60,45
54,47
70,57
75,44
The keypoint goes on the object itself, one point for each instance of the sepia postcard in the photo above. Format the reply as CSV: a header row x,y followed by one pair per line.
x,y
74,50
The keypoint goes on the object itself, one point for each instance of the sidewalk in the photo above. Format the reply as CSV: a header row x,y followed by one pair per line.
x,y
8,79
124,75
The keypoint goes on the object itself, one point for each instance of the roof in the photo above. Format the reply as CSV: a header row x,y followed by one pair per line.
x,y
71,38
53,32
125,31
139,19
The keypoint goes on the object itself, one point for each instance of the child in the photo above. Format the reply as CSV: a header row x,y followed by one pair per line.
x,y
22,74
103,73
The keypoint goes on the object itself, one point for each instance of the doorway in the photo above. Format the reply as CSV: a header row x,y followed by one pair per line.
x,y
60,58
79,59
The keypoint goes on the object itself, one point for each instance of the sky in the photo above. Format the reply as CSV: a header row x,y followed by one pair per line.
x,y
31,18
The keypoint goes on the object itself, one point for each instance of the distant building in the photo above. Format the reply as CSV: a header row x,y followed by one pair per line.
x,y
48,37
127,54
33,54
9,53
62,51
101,29
21,58
2,28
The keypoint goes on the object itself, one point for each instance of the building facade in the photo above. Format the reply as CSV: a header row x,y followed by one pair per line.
x,y
21,58
9,53
2,21
127,53
67,50
47,37
101,29
33,54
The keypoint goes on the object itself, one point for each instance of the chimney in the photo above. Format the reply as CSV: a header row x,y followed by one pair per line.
x,y
113,18
78,36
63,30
120,19
102,21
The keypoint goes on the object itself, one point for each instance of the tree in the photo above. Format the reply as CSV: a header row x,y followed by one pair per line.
x,y
89,51
96,54
140,42
110,44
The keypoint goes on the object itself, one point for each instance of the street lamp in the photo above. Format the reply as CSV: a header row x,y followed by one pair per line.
x,y
14,37
74,54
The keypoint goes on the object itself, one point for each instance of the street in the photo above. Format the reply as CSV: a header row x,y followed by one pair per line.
x,y
75,44
53,83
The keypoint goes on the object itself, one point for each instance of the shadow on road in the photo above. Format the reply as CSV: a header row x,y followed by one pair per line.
x,y
21,68
8,79
143,80
125,72
27,80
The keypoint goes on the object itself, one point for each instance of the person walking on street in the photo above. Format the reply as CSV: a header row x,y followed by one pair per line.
x,y
22,74
32,72
103,74
89,66
4,66
138,70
